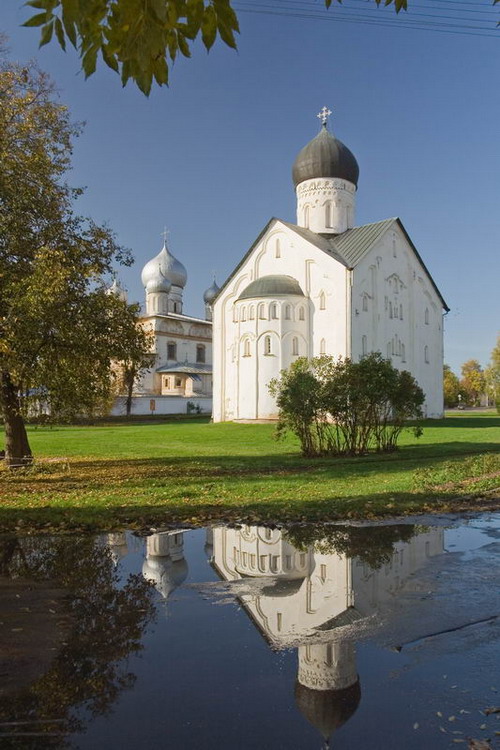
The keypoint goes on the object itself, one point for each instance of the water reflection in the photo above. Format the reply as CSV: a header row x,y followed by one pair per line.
x,y
315,589
78,608
66,593
165,565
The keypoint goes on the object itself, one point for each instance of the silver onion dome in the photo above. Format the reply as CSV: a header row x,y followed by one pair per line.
x,y
117,289
211,293
163,267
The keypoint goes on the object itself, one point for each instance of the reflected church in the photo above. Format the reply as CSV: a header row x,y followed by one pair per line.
x,y
309,599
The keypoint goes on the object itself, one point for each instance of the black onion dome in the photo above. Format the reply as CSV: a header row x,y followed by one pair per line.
x,y
327,710
325,156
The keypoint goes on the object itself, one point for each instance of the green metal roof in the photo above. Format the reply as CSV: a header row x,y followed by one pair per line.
x,y
186,368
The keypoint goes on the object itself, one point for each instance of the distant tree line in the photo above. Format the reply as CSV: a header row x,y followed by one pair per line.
x,y
476,386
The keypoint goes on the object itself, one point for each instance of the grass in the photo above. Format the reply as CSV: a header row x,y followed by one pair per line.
x,y
192,471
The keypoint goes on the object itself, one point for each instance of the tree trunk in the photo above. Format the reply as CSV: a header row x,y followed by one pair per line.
x,y
17,448
129,380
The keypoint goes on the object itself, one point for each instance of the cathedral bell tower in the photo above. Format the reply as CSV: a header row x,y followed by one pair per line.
x,y
325,175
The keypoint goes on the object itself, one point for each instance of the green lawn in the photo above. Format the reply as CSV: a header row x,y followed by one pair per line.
x,y
140,474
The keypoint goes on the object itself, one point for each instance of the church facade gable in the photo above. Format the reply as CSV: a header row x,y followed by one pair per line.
x,y
259,333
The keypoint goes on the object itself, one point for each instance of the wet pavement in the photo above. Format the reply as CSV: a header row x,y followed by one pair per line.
x,y
316,636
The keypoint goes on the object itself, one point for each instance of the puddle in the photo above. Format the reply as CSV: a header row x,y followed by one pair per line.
x,y
318,636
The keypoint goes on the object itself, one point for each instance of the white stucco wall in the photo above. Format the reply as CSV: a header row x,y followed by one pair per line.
x,y
141,405
391,293
240,383
326,205
186,334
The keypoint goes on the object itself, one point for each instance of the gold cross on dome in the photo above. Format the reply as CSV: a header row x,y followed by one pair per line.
x,y
324,115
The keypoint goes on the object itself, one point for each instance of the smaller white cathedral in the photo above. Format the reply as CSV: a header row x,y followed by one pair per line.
x,y
180,377
324,286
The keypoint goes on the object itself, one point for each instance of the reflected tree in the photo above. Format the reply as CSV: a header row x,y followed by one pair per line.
x,y
372,545
107,620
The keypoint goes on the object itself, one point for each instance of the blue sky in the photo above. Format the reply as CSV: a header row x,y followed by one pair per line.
x,y
210,157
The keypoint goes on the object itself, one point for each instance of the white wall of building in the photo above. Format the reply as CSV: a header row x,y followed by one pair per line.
x,y
141,405
241,382
396,311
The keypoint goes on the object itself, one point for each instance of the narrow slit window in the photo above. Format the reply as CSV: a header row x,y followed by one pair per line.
x,y
302,315
322,301
295,346
267,345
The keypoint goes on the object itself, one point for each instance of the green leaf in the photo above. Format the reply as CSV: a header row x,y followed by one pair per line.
x,y
38,20
109,58
161,72
41,4
46,34
183,46
226,35
209,27
89,61
60,33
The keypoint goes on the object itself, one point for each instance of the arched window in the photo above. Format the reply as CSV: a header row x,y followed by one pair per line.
x,y
235,314
322,301
328,214
277,251
262,311
389,350
364,345
267,345
171,350
426,316
273,311
302,315
243,313
426,354
403,355
251,315
394,246
396,311
365,303
322,346
200,353
288,312
295,346
390,309
306,217
401,312
246,348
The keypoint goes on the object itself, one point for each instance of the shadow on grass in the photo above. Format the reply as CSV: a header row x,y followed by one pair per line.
x,y
199,512
464,422
105,474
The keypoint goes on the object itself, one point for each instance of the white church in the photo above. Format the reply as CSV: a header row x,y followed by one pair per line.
x,y
180,377
324,286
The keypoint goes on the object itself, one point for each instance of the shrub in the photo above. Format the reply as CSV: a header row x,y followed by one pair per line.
x,y
340,407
